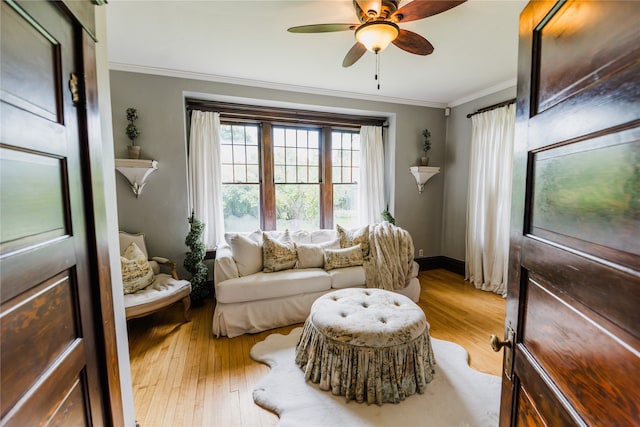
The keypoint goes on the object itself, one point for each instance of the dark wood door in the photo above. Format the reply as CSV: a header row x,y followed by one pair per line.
x,y
52,372
574,289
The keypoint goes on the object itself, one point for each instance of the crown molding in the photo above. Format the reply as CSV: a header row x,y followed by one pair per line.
x,y
484,92
117,66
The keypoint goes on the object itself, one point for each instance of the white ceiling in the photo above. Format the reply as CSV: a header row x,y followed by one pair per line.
x,y
247,42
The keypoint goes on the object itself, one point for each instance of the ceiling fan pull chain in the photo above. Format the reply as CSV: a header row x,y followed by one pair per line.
x,y
378,69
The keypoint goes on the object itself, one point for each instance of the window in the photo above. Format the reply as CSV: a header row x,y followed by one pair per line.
x,y
296,173
240,177
290,169
345,160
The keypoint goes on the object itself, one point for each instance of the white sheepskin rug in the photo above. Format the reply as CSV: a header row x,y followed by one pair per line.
x,y
458,396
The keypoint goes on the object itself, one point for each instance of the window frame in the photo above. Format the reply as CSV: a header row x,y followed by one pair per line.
x,y
266,118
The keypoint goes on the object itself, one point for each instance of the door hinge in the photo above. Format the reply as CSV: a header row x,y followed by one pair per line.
x,y
73,88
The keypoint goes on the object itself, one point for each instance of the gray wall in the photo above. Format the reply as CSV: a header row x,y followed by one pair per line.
x,y
456,172
161,211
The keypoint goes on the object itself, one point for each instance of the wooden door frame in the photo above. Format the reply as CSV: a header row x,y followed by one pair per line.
x,y
95,196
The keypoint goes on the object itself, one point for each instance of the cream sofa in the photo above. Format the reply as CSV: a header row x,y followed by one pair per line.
x,y
249,300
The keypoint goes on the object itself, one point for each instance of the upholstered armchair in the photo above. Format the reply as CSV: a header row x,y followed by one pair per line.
x,y
146,288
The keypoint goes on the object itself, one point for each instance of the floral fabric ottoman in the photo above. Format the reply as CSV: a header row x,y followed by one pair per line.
x,y
369,345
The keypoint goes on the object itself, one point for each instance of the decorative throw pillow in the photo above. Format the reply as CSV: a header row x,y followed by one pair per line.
x,y
256,235
247,253
312,256
278,255
136,271
354,236
340,258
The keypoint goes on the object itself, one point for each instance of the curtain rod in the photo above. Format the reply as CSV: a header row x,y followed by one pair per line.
x,y
491,107
281,114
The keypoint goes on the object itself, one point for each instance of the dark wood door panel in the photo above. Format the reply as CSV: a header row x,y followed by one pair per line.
x,y
593,111
35,206
37,328
63,381
587,359
34,133
72,411
577,48
528,414
31,82
20,272
572,273
586,194
551,409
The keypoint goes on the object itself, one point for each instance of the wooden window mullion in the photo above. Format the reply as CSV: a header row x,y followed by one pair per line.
x,y
268,190
326,186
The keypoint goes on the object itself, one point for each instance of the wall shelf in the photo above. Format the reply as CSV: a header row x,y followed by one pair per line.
x,y
136,172
423,174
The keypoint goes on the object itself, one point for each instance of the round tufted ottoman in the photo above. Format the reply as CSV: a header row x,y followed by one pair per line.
x,y
369,345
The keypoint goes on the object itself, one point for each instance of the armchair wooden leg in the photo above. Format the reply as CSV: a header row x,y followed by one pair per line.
x,y
186,301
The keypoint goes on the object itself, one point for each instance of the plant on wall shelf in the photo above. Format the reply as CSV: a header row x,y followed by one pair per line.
x,y
132,132
194,260
426,146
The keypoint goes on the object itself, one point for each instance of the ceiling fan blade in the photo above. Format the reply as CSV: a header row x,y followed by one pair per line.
x,y
322,28
413,43
354,54
419,9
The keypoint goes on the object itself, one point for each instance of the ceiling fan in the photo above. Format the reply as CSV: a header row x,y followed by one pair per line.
x,y
378,26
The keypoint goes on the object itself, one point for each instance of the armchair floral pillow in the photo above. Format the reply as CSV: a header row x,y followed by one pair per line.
x,y
136,270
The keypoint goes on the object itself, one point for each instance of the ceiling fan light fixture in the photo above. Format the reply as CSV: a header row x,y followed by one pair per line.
x,y
376,35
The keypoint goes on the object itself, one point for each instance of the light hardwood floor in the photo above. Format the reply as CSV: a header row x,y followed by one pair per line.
x,y
182,376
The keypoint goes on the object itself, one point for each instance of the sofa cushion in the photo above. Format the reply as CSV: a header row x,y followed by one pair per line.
x,y
351,237
272,285
301,236
136,271
347,277
341,258
247,253
161,292
278,255
254,235
312,255
415,269
322,236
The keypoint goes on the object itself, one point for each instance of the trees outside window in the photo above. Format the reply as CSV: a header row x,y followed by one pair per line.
x,y
284,168
298,171
345,157
239,151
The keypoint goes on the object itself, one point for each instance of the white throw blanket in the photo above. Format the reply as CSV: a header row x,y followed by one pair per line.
x,y
390,257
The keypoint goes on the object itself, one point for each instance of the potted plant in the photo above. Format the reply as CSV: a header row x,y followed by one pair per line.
x,y
132,133
386,215
194,261
426,146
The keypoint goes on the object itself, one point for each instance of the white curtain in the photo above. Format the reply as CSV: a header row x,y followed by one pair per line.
x,y
489,199
205,178
371,196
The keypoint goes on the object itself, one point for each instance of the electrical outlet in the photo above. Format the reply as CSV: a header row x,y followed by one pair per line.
x,y
420,252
